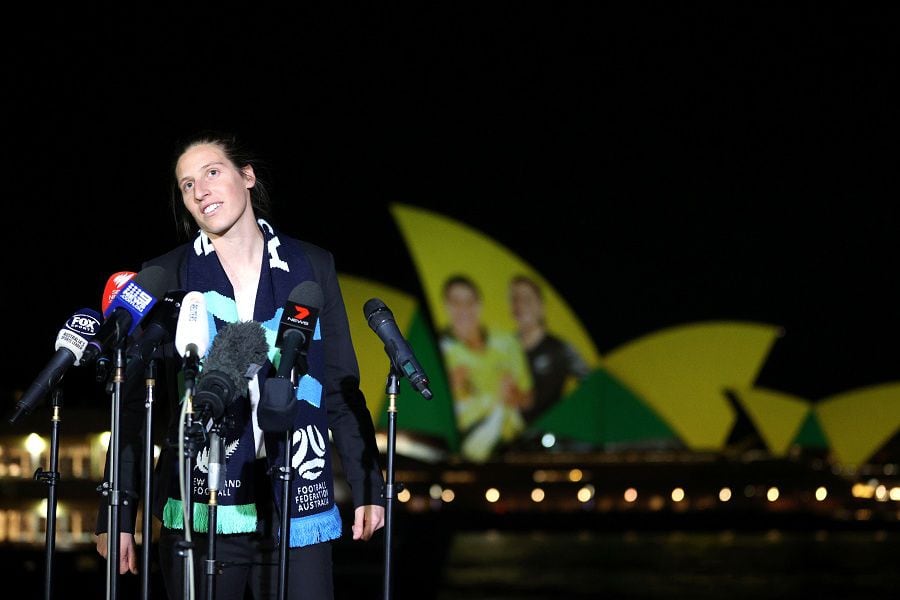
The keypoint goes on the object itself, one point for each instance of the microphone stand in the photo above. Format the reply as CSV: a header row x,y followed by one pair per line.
x,y
393,390
193,436
214,471
50,478
286,473
150,377
112,488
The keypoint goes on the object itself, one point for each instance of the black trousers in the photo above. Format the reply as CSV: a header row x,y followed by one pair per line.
x,y
249,568
249,562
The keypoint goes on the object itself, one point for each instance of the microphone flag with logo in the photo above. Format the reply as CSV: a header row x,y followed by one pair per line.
x,y
278,404
71,342
127,309
115,283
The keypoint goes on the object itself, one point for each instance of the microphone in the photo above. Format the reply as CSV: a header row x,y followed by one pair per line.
x,y
298,324
71,342
237,352
278,403
192,333
113,285
382,322
216,463
127,309
160,327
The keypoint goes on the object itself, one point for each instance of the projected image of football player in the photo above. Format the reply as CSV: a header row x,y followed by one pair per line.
x,y
554,362
488,373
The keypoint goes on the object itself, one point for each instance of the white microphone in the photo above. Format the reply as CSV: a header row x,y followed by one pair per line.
x,y
192,334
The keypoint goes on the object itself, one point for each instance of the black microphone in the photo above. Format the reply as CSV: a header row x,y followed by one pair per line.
x,y
278,403
71,342
382,322
237,352
127,309
158,328
298,324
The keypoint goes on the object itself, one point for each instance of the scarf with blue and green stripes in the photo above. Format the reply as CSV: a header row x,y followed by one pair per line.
x,y
314,516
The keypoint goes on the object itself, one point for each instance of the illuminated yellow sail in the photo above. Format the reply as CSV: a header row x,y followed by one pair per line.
x,y
859,422
683,373
777,416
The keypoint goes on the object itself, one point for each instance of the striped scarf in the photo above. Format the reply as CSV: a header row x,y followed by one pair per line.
x,y
314,514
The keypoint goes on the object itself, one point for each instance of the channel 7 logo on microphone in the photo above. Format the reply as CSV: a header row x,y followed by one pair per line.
x,y
301,316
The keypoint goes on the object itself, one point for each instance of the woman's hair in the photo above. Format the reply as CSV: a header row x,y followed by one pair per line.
x,y
528,281
463,280
240,156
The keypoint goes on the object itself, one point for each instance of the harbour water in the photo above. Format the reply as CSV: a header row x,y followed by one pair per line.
x,y
431,563
674,564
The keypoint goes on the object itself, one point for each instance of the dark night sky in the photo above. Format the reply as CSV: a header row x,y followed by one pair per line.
x,y
658,164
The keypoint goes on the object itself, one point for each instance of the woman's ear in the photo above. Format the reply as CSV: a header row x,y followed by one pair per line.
x,y
249,176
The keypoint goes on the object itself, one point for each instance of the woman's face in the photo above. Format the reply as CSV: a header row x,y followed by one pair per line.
x,y
214,191
464,309
525,305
